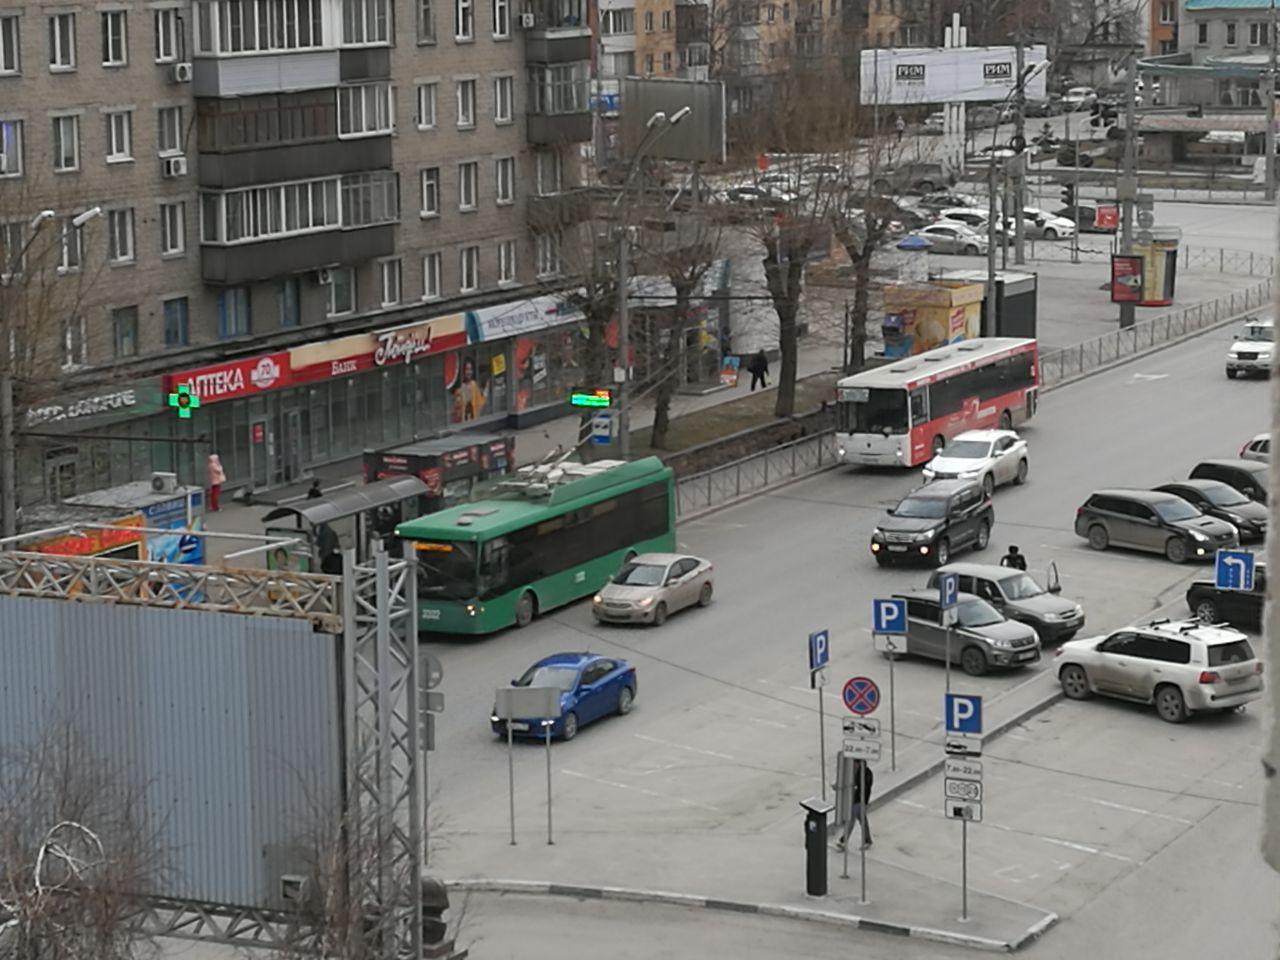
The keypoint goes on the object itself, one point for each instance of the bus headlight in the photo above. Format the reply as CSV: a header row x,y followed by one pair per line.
x,y
472,609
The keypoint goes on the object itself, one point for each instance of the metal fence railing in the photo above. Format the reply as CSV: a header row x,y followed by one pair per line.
x,y
1094,247
754,474
1059,365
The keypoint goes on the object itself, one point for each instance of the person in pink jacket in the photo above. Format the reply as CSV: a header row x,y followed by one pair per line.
x,y
217,477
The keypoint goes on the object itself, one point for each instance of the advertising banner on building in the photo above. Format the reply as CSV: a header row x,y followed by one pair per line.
x,y
236,378
80,410
519,318
919,75
378,348
1126,279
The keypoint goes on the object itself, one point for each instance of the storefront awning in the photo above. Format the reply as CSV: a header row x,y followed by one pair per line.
x,y
347,503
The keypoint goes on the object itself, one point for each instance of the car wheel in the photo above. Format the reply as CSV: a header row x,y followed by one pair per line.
x,y
984,536
925,186
1050,233
1231,374
942,553
625,699
938,444
988,485
973,661
1006,420
970,250
704,595
526,609
659,614
1207,611
1075,683
1176,550
1023,467
570,728
1170,704
1098,538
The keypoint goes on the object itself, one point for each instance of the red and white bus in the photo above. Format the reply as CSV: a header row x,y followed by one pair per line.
x,y
903,413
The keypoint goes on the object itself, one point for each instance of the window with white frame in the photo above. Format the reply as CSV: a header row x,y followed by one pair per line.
x,y
546,172
10,148
466,103
464,20
426,112
342,291
501,18
390,270
70,245
430,192
13,241
614,22
120,235
169,130
165,20
469,269
666,61
503,94
235,317
370,198
119,124
62,41
115,38
666,19
366,110
66,143
547,253
10,44
176,325
289,302
365,21
506,262
1168,11
258,26
1202,33
75,339
504,178
559,88
431,276
1258,33
1231,33
259,213
426,21
173,228
467,176
124,331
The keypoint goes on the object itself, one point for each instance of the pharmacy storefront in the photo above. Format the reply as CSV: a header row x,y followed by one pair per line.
x,y
272,416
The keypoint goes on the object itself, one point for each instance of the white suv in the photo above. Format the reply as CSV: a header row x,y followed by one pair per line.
x,y
1251,351
1181,666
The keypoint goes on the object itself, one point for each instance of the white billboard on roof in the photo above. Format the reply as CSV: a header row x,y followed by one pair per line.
x,y
918,75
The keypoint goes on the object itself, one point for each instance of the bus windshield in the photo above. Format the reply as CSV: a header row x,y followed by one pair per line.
x,y
874,410
446,569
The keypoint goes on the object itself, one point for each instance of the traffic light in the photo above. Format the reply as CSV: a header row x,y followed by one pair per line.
x,y
1069,195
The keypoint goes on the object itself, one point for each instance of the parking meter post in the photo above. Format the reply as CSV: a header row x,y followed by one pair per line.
x,y
893,724
511,778
844,872
546,726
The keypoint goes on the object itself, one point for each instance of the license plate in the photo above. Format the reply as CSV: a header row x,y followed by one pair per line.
x,y
1029,655
519,725
897,548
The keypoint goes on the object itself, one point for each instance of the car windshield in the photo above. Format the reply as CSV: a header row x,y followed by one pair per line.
x,y
922,508
641,575
1221,495
1176,510
1258,333
446,569
977,613
968,449
549,675
1021,587
1223,654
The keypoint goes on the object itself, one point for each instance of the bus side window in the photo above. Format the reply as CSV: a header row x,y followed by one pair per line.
x,y
494,567
919,407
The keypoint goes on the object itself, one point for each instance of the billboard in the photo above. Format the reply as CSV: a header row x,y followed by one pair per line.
x,y
1126,279
910,75
700,137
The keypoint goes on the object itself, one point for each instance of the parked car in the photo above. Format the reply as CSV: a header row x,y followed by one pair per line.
x,y
933,522
591,687
982,638
953,238
1019,596
980,116
1070,155
943,199
1148,520
1182,666
1217,499
1247,476
1259,448
989,457
653,585
1086,216
1043,225
750,196
1043,108
1240,608
935,122
1079,98
1251,351
923,177
991,154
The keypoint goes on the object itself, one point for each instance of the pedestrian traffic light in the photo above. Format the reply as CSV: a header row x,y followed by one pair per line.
x,y
1069,195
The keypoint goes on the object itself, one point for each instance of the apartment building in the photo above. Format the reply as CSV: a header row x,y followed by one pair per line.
x,y
337,221
1162,27
1234,36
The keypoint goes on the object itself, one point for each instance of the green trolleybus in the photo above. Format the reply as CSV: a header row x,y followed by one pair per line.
x,y
549,535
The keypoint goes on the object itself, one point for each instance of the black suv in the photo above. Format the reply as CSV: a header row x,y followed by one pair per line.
x,y
1155,521
1240,608
1225,502
1247,476
932,523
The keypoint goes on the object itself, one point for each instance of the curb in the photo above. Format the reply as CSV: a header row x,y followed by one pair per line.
x,y
806,914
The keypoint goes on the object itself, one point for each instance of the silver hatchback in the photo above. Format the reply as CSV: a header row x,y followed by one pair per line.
x,y
653,585
981,640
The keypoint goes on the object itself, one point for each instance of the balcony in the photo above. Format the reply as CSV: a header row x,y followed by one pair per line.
x,y
250,262
556,211
265,73
559,103
559,33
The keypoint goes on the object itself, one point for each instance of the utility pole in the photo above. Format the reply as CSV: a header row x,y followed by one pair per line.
x,y
989,318
1270,139
8,477
1129,181
1019,135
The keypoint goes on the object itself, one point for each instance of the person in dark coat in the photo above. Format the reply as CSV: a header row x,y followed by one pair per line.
x,y
758,367
861,798
315,493
1014,559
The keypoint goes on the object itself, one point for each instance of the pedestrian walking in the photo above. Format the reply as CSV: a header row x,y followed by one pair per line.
x,y
861,799
1014,559
216,477
315,493
759,370
900,125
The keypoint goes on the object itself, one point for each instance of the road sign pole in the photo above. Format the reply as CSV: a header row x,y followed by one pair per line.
x,y
862,847
844,873
511,778
546,726
893,723
822,742
948,658
964,870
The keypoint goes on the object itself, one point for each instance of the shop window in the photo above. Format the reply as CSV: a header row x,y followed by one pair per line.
x,y
476,382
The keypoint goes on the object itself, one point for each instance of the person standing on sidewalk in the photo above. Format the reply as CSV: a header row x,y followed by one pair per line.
x,y
861,797
216,477
900,126
758,367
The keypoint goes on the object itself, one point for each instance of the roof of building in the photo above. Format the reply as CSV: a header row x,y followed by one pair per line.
x,y
1229,4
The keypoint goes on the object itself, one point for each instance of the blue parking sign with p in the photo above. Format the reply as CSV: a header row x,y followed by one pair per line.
x,y
1233,570
819,650
889,617
948,590
964,714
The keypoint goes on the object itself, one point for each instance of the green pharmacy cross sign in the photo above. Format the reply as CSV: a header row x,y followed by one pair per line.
x,y
184,401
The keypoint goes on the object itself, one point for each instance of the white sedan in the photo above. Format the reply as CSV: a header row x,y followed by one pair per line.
x,y
992,457
1044,225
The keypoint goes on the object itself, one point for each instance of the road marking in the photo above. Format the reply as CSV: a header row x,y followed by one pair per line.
x,y
681,746
1145,377
770,723
648,793
1223,783
1069,844
912,804
1145,813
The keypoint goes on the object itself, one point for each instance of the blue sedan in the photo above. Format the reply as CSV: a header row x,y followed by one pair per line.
x,y
590,686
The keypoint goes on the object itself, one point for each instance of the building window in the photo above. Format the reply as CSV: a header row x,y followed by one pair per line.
x,y
501,19
365,110
504,175
467,175
431,276
1168,11
66,144
120,235
666,19
10,148
259,213
74,342
10,44
773,11
70,246
13,238
648,21
426,116
1231,33
666,61
169,130
119,136
648,64
233,312
1258,34
426,21
288,302
546,171
464,20
547,253
166,25
176,333
115,39
1202,33
466,103
390,270
430,192
342,291
363,21
469,269
62,41
173,229
503,91
124,331
238,26
614,22
507,262
558,89
370,198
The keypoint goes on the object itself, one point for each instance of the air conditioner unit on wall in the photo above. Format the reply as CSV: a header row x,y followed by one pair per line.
x,y
527,21
181,73
164,482
324,277
171,167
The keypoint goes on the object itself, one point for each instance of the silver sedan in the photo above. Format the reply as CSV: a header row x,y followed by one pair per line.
x,y
653,585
